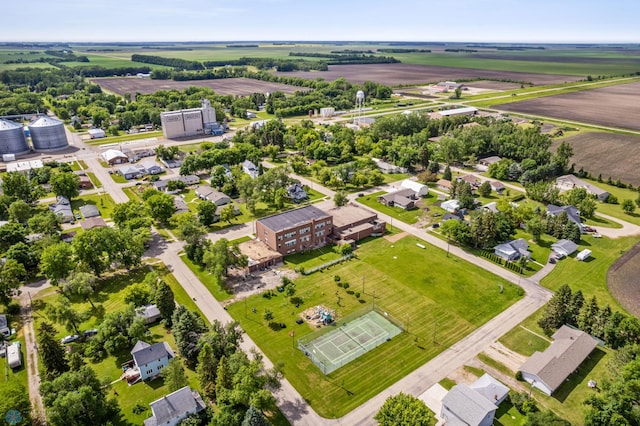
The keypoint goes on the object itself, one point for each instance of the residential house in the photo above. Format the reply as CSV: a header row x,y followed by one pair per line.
x,y
296,230
132,172
151,359
171,409
388,168
463,406
62,208
4,326
93,222
444,185
513,250
549,369
249,168
497,186
205,192
150,313
564,247
404,198
89,210
492,207
572,213
449,216
569,182
493,390
450,206
189,180
484,163
420,189
113,156
152,167
180,204
296,193
85,182
470,179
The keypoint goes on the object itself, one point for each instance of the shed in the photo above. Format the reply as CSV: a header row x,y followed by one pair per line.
x,y
97,133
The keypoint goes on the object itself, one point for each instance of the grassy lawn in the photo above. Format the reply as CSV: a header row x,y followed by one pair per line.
x,y
241,240
132,193
209,281
94,179
590,276
615,210
447,383
507,415
394,177
523,341
124,138
118,178
104,203
422,288
406,216
311,259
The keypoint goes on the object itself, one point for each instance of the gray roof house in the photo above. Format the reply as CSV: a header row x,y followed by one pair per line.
x,y
132,171
152,167
180,205
206,192
548,370
4,326
572,213
151,359
463,406
404,198
150,313
173,408
512,250
491,389
249,168
564,247
569,182
62,208
296,192
89,210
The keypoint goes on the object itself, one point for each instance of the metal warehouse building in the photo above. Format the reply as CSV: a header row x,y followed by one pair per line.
x,y
189,122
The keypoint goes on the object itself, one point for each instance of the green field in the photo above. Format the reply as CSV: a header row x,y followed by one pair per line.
x,y
421,287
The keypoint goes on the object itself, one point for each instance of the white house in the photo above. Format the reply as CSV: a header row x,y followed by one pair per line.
x,y
450,206
464,406
420,189
512,250
549,369
249,168
173,408
569,182
564,247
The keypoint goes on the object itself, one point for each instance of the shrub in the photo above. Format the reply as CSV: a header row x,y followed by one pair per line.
x,y
13,308
357,294
139,408
519,376
296,300
345,285
336,278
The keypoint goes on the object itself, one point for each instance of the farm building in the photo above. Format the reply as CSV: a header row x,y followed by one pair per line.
x,y
454,112
171,409
188,122
420,189
512,250
569,182
97,133
295,230
113,156
564,247
548,370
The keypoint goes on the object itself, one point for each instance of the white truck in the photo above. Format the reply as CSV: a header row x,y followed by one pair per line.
x,y
14,356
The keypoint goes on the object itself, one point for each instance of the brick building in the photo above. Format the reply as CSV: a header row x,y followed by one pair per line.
x,y
294,231
352,223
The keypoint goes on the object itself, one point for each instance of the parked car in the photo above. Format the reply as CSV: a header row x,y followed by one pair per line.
x,y
69,339
78,216
89,333
435,225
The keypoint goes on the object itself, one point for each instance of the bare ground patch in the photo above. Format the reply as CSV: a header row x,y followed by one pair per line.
x,y
609,154
615,106
395,237
225,86
622,280
395,74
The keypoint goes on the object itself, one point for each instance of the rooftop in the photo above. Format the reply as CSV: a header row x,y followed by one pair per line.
x,y
174,406
143,353
349,214
257,251
293,218
467,404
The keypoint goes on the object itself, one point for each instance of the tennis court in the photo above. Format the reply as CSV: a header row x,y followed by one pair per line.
x,y
336,346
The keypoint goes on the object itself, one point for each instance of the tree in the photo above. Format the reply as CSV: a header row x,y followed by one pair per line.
x,y
65,184
207,370
340,198
187,329
228,213
587,208
137,294
82,284
26,256
447,173
10,234
557,310
47,223
17,186
536,227
20,211
132,215
160,205
11,276
628,206
403,410
56,262
76,398
268,315
193,233
207,213
51,352
62,312
485,189
165,302
254,417
174,376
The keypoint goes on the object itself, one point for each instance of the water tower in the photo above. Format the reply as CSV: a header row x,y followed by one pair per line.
x,y
359,107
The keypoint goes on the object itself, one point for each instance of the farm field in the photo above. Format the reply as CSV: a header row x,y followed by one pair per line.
x,y
396,74
608,154
615,106
622,280
227,86
449,292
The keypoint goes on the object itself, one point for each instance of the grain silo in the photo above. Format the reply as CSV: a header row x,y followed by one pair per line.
x,y
47,134
12,140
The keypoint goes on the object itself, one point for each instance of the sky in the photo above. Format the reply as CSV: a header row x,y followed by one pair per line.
x,y
536,21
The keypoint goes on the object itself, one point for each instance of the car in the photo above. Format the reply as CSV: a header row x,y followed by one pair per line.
x,y
597,235
69,339
435,225
89,333
78,216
